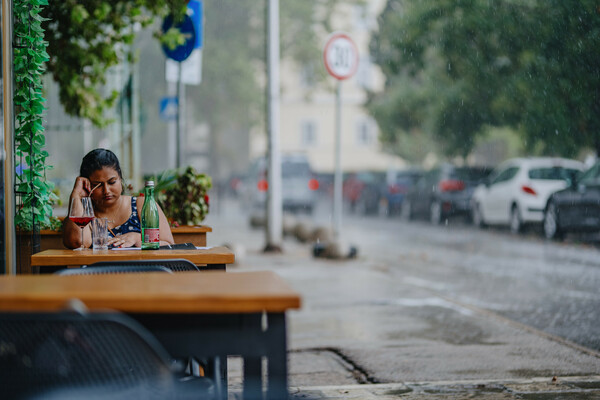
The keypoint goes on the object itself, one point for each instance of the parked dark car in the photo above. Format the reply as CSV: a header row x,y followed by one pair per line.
x,y
576,208
361,191
394,191
443,192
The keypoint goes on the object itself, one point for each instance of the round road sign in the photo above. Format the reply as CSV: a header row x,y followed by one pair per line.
x,y
340,56
187,28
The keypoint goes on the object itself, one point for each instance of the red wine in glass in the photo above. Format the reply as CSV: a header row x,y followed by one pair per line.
x,y
81,221
81,212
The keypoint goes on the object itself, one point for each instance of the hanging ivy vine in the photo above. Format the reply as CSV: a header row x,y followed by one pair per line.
x,y
35,196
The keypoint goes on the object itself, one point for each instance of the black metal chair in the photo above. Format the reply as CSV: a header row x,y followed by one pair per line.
x,y
65,355
113,269
212,366
174,264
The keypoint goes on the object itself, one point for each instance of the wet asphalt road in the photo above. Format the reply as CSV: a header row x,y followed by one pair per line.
x,y
554,287
551,286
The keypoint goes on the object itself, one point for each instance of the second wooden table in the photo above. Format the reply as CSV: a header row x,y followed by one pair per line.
x,y
213,258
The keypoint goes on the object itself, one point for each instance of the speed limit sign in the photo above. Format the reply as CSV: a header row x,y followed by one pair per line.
x,y
340,56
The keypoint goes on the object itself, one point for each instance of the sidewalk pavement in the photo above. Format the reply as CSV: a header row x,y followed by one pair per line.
x,y
370,336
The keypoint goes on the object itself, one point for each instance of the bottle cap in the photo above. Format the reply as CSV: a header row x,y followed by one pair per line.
x,y
149,183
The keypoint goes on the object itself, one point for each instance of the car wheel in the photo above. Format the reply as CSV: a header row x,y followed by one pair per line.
x,y
516,224
361,208
435,213
406,211
477,216
551,228
383,209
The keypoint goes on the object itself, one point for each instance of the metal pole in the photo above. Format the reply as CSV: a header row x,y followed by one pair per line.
x,y
136,163
337,179
8,116
274,201
172,129
178,121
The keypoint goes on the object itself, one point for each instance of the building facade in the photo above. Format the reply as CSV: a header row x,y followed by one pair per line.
x,y
308,108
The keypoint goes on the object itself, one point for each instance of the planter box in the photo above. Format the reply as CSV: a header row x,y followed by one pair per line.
x,y
195,234
48,240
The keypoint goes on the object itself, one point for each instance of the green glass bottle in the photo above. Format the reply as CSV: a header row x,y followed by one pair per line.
x,y
150,220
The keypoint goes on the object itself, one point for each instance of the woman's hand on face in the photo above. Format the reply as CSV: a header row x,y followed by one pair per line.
x,y
131,239
82,187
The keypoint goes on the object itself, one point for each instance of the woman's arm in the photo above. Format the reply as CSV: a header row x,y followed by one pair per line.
x,y
166,237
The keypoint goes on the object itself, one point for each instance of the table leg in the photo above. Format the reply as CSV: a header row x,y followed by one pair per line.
x,y
252,378
217,371
277,362
252,364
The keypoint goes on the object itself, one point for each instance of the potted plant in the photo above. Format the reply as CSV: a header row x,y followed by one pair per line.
x,y
183,196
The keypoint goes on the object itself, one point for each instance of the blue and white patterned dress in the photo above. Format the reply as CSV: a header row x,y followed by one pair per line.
x,y
132,224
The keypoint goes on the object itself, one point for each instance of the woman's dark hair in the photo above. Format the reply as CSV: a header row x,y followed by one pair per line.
x,y
98,159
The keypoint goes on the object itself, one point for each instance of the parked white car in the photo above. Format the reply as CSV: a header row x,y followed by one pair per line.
x,y
517,190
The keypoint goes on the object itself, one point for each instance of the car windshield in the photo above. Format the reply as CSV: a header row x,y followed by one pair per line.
x,y
552,173
591,176
470,174
291,169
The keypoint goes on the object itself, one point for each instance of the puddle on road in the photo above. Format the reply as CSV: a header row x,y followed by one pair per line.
x,y
445,325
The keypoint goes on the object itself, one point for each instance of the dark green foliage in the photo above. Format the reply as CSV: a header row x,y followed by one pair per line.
x,y
454,67
86,38
34,208
183,195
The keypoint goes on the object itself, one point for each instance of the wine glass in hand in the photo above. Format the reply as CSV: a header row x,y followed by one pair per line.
x,y
81,212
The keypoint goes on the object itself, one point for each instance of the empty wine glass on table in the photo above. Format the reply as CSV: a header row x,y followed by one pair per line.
x,y
81,212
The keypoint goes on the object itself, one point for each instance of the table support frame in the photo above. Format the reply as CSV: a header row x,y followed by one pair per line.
x,y
251,336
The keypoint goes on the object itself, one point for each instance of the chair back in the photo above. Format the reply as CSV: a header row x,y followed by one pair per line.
x,y
69,355
114,268
174,264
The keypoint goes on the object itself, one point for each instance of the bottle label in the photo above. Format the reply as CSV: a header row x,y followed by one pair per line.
x,y
151,235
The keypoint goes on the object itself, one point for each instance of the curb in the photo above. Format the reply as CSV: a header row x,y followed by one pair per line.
x,y
565,387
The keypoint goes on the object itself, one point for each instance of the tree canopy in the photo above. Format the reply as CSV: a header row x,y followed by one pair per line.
x,y
455,67
86,38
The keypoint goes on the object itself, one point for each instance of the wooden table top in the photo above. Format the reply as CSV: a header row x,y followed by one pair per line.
x,y
58,257
183,292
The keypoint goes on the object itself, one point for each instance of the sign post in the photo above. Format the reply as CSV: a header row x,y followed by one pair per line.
x,y
341,61
184,64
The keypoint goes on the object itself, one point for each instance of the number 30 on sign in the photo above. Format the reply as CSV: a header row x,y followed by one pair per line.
x,y
340,56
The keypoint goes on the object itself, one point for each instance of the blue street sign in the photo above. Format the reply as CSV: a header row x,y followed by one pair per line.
x,y
196,13
167,108
186,27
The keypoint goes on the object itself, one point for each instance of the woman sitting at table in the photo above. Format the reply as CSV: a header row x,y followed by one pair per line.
x,y
100,178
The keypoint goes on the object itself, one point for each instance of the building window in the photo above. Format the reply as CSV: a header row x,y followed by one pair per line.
x,y
308,77
365,132
362,19
308,133
363,73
